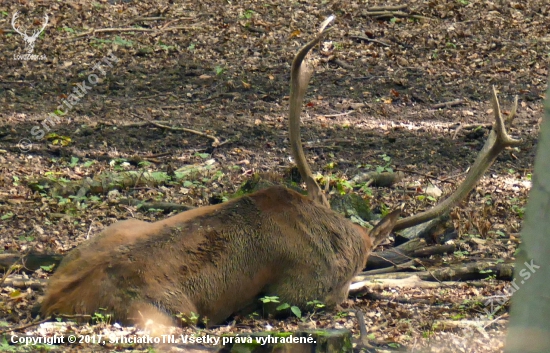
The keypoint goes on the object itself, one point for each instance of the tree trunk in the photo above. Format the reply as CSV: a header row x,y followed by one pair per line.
x,y
529,329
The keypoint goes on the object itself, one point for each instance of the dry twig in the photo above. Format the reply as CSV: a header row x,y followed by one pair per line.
x,y
216,142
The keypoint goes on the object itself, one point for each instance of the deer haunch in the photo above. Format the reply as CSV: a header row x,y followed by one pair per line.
x,y
215,261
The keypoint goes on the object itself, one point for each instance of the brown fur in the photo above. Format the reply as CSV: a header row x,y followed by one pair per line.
x,y
216,260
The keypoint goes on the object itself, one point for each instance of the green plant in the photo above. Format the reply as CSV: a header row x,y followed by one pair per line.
x,y
202,155
520,211
100,318
269,299
490,277
295,310
424,197
191,319
247,14
6,216
385,167
460,253
123,42
58,139
341,314
26,238
165,47
517,209
5,346
384,209
48,268
343,186
74,161
219,70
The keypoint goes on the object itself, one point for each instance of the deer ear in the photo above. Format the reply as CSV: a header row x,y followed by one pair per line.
x,y
384,227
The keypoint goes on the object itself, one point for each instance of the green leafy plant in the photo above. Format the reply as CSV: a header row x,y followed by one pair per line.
x,y
219,70
191,319
48,268
58,139
295,310
385,167
100,318
6,216
460,253
247,14
269,299
74,161
123,42
202,155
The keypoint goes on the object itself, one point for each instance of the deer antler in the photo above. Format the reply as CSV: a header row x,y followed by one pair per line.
x,y
300,75
13,19
497,141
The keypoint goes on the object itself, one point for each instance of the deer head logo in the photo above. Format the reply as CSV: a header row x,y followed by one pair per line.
x,y
29,40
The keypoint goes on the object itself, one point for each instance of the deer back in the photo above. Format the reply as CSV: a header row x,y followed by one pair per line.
x,y
213,261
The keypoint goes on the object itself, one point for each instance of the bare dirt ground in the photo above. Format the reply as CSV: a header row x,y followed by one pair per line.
x,y
222,68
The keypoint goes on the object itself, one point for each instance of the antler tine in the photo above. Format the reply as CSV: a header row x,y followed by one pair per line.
x,y
496,142
500,126
300,74
46,22
13,19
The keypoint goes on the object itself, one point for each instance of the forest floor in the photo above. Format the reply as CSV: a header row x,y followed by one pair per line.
x,y
222,68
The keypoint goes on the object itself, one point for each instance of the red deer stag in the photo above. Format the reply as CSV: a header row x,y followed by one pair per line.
x,y
215,261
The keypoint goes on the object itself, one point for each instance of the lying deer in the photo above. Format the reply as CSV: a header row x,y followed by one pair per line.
x,y
217,260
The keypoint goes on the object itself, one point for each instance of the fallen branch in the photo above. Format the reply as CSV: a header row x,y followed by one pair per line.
x,y
394,256
472,271
19,328
448,104
22,283
400,300
404,266
335,115
216,142
383,13
409,282
387,8
131,29
341,63
367,39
